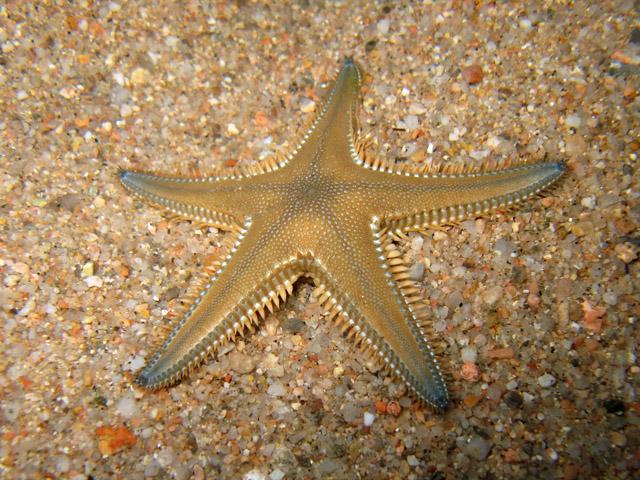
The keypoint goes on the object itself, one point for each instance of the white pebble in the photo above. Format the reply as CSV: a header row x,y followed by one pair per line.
x,y
383,26
588,202
232,129
469,354
411,122
546,380
276,390
368,419
573,121
93,281
277,474
254,475
127,407
307,105
133,364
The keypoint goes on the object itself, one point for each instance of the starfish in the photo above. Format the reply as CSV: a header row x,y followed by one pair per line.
x,y
329,212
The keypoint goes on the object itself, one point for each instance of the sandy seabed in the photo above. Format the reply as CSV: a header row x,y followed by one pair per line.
x,y
536,309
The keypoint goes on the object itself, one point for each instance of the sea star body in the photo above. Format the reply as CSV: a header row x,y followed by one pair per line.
x,y
325,212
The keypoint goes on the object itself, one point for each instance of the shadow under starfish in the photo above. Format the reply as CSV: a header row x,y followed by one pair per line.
x,y
327,212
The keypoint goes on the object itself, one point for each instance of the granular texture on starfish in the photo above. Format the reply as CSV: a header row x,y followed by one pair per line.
x,y
328,212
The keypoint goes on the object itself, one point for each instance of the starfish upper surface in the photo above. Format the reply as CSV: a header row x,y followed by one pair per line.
x,y
325,212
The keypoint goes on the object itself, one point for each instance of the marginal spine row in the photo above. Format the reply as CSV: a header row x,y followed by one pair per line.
x,y
243,317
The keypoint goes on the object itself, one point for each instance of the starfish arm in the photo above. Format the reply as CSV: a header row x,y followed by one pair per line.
x,y
232,300
218,201
418,202
365,286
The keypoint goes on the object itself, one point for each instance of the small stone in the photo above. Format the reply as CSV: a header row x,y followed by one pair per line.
x,y
546,380
411,122
254,474
232,129
470,372
368,419
328,466
416,271
277,474
383,26
241,363
477,447
272,365
614,406
276,389
394,408
307,105
588,202
133,364
513,400
469,354
610,298
626,252
417,109
412,461
87,270
501,353
166,457
593,317
491,295
351,412
113,439
573,121
22,95
140,76
472,74
618,439
525,23
127,407
93,281
62,464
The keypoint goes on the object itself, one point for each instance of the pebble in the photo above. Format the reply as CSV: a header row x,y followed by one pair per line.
x,y
140,76
307,105
588,202
241,363
411,122
383,26
469,354
626,252
133,363
416,271
153,468
127,407
254,474
276,474
618,439
513,399
547,380
477,447
491,295
470,372
276,389
472,74
573,121
166,457
417,109
63,464
368,419
412,461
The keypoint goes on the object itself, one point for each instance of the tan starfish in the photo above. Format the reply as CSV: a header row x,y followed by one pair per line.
x,y
326,212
